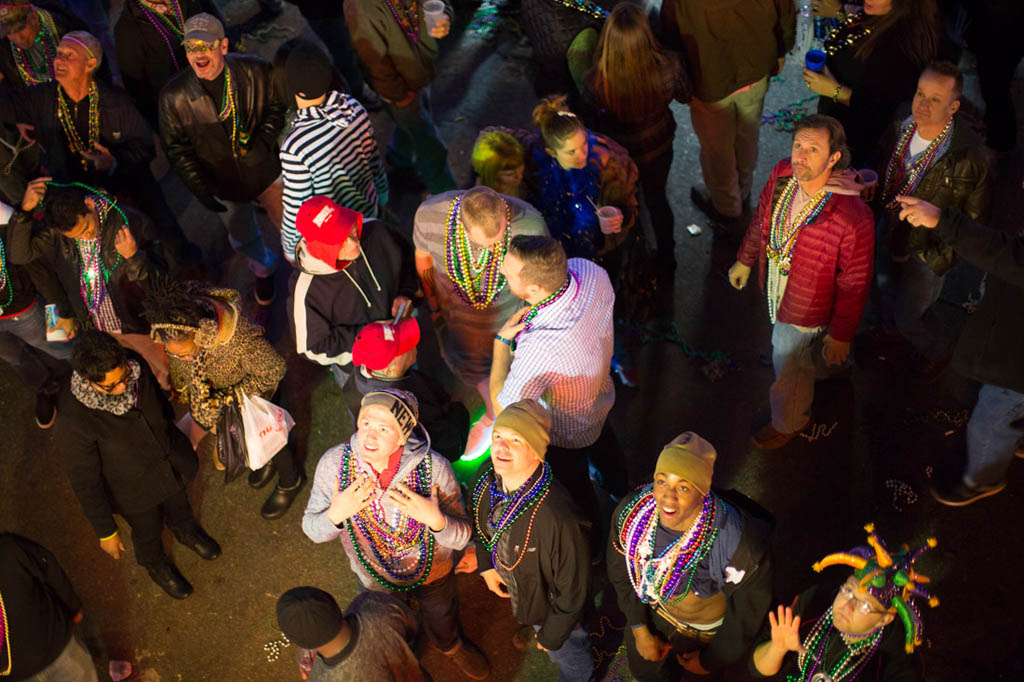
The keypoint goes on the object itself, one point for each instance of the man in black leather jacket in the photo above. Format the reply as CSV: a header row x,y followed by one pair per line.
x,y
219,124
932,155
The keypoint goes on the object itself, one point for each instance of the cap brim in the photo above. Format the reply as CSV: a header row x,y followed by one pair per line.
x,y
204,36
408,335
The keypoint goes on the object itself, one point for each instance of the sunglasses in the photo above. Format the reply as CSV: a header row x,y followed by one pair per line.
x,y
108,388
200,47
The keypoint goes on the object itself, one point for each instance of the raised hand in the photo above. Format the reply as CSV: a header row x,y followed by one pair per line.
x,y
785,629
426,510
348,502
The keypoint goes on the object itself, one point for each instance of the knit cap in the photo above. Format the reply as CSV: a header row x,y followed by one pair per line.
x,y
309,616
326,226
402,405
689,457
529,419
308,72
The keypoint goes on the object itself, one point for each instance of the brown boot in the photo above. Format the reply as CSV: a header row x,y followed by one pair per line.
x,y
768,438
469,660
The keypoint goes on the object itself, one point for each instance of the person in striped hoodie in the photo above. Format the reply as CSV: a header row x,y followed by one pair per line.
x,y
330,150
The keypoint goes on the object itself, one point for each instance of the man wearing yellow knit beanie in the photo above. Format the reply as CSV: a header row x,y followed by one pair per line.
x,y
531,542
692,572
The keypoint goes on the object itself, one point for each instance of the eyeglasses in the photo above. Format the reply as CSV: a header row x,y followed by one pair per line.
x,y
862,606
200,47
111,387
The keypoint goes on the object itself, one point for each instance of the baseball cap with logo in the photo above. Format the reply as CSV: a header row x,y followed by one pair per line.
x,y
13,17
378,343
326,225
204,27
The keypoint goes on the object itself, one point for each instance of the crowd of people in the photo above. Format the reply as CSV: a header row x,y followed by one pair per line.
x,y
144,357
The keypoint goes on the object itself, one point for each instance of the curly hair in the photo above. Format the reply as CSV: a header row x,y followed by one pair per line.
x,y
63,206
95,354
173,302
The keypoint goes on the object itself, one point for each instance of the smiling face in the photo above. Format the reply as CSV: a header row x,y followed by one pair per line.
x,y
678,501
379,435
572,154
935,101
856,612
512,457
206,59
72,62
810,157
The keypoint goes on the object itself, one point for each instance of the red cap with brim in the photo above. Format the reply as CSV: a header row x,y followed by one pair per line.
x,y
378,343
326,226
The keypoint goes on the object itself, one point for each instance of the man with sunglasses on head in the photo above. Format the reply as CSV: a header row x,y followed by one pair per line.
x,y
220,121
124,455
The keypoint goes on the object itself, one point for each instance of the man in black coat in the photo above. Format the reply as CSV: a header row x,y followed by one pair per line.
x,y
38,610
531,542
102,256
219,124
125,455
989,349
29,43
148,36
91,132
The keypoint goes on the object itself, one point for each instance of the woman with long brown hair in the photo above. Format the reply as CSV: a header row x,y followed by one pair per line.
x,y
874,59
627,95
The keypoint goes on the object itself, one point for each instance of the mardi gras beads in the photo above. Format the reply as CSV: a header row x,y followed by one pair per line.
x,y
5,280
47,37
585,6
5,637
476,289
901,178
408,18
849,665
520,501
541,305
75,142
167,26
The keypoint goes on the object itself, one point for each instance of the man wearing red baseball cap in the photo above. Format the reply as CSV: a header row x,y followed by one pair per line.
x,y
350,271
385,354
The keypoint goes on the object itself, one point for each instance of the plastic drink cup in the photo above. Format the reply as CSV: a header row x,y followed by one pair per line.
x,y
53,332
433,13
605,217
868,177
815,60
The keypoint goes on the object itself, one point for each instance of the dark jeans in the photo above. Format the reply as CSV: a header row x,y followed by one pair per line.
x,y
334,32
653,179
148,527
39,363
439,611
667,669
570,467
416,144
285,461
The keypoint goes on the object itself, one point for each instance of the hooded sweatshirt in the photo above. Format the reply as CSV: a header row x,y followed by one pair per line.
x,y
331,151
331,303
830,276
453,537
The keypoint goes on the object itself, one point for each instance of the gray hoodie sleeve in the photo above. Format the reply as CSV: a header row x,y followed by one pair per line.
x,y
457,531
315,523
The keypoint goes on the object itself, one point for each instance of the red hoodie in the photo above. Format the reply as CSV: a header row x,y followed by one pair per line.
x,y
831,274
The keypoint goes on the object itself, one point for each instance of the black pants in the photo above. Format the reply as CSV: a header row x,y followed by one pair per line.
x,y
439,610
653,179
148,527
285,462
667,669
569,465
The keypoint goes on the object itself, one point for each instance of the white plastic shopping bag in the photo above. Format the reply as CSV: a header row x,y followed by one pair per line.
x,y
266,429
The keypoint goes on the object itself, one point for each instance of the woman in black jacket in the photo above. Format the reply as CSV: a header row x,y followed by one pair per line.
x,y
874,59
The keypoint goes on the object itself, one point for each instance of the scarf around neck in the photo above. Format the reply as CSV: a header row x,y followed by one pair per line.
x,y
98,400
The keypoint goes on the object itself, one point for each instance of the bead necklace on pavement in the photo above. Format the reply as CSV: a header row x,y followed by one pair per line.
x,y
585,6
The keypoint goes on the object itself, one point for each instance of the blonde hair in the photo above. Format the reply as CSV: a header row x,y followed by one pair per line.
x,y
495,151
484,209
554,120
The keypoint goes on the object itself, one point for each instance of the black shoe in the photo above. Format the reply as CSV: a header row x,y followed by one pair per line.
x,y
198,541
701,198
262,476
46,409
957,494
264,290
281,499
170,579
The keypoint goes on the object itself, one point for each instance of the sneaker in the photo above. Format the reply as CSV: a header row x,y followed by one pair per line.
x,y
958,494
479,438
264,290
768,438
469,660
46,409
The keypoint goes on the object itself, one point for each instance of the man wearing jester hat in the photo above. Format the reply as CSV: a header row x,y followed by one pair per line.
x,y
852,636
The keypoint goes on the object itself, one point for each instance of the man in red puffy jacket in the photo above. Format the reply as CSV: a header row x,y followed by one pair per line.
x,y
813,239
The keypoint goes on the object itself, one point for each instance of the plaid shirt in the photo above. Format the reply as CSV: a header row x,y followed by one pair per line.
x,y
564,358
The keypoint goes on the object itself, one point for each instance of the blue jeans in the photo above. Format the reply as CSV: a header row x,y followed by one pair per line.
x,y
415,143
74,664
992,434
21,340
792,393
575,659
909,290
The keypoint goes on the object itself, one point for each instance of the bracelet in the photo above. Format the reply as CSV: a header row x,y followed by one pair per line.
x,y
835,95
499,337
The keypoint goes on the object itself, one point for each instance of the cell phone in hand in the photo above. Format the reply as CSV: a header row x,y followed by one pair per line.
x,y
401,312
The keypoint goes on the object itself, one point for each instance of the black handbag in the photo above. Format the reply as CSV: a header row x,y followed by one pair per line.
x,y
231,450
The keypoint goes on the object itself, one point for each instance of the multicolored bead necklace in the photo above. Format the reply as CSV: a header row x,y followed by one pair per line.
x,y
408,18
541,305
901,178
229,109
783,234
816,645
585,6
30,73
846,35
93,272
170,28
5,638
518,502
5,281
75,143
476,283
657,579
392,540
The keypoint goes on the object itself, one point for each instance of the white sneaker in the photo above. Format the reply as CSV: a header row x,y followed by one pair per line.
x,y
479,438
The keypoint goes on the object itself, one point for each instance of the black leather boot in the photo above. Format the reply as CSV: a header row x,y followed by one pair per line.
x,y
262,476
281,499
167,576
197,539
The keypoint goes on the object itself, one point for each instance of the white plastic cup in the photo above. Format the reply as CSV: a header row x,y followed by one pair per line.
x,y
53,332
868,177
606,215
433,13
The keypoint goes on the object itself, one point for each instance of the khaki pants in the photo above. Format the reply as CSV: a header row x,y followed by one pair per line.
x,y
727,130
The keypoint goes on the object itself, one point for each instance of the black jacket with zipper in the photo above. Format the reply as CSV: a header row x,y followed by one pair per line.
x,y
198,144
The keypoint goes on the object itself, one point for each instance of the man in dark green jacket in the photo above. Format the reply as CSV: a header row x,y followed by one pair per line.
x,y
989,350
